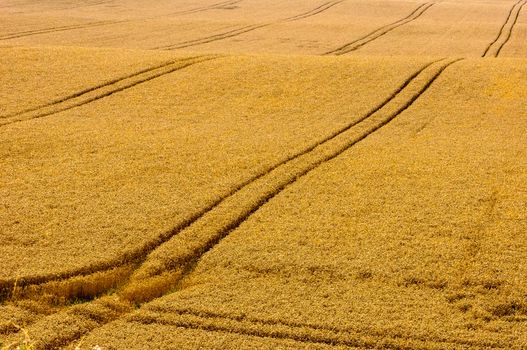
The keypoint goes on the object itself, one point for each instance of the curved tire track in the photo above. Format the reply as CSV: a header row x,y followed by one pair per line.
x,y
57,29
494,48
183,252
304,332
377,33
325,150
313,12
82,92
140,254
206,8
97,92
103,23
249,28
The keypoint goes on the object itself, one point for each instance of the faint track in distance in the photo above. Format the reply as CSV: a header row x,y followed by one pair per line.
x,y
504,35
215,6
103,23
249,28
313,12
57,29
377,33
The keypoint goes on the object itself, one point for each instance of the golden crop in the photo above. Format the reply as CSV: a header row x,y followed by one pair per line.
x,y
242,174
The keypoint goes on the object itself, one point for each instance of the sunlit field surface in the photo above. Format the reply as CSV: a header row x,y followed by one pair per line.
x,y
247,174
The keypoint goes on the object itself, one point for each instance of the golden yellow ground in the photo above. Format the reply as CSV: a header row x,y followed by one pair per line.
x,y
305,174
251,26
414,237
32,78
142,166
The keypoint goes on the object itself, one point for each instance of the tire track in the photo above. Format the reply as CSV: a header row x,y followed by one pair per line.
x,y
103,23
313,12
140,254
184,251
494,48
377,33
279,334
107,309
216,37
57,29
249,28
97,3
55,331
84,91
95,93
206,8
306,333
58,8
275,180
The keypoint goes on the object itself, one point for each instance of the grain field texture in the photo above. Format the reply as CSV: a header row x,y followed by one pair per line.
x,y
389,27
159,144
249,174
33,78
443,241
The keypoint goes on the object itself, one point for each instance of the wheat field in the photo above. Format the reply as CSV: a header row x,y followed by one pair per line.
x,y
247,174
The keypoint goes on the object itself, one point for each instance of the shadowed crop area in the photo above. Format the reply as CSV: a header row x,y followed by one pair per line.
x,y
251,174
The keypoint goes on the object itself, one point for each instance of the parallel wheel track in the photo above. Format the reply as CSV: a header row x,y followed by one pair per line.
x,y
313,12
303,332
377,33
57,29
100,91
206,8
140,254
504,35
213,225
319,153
249,28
